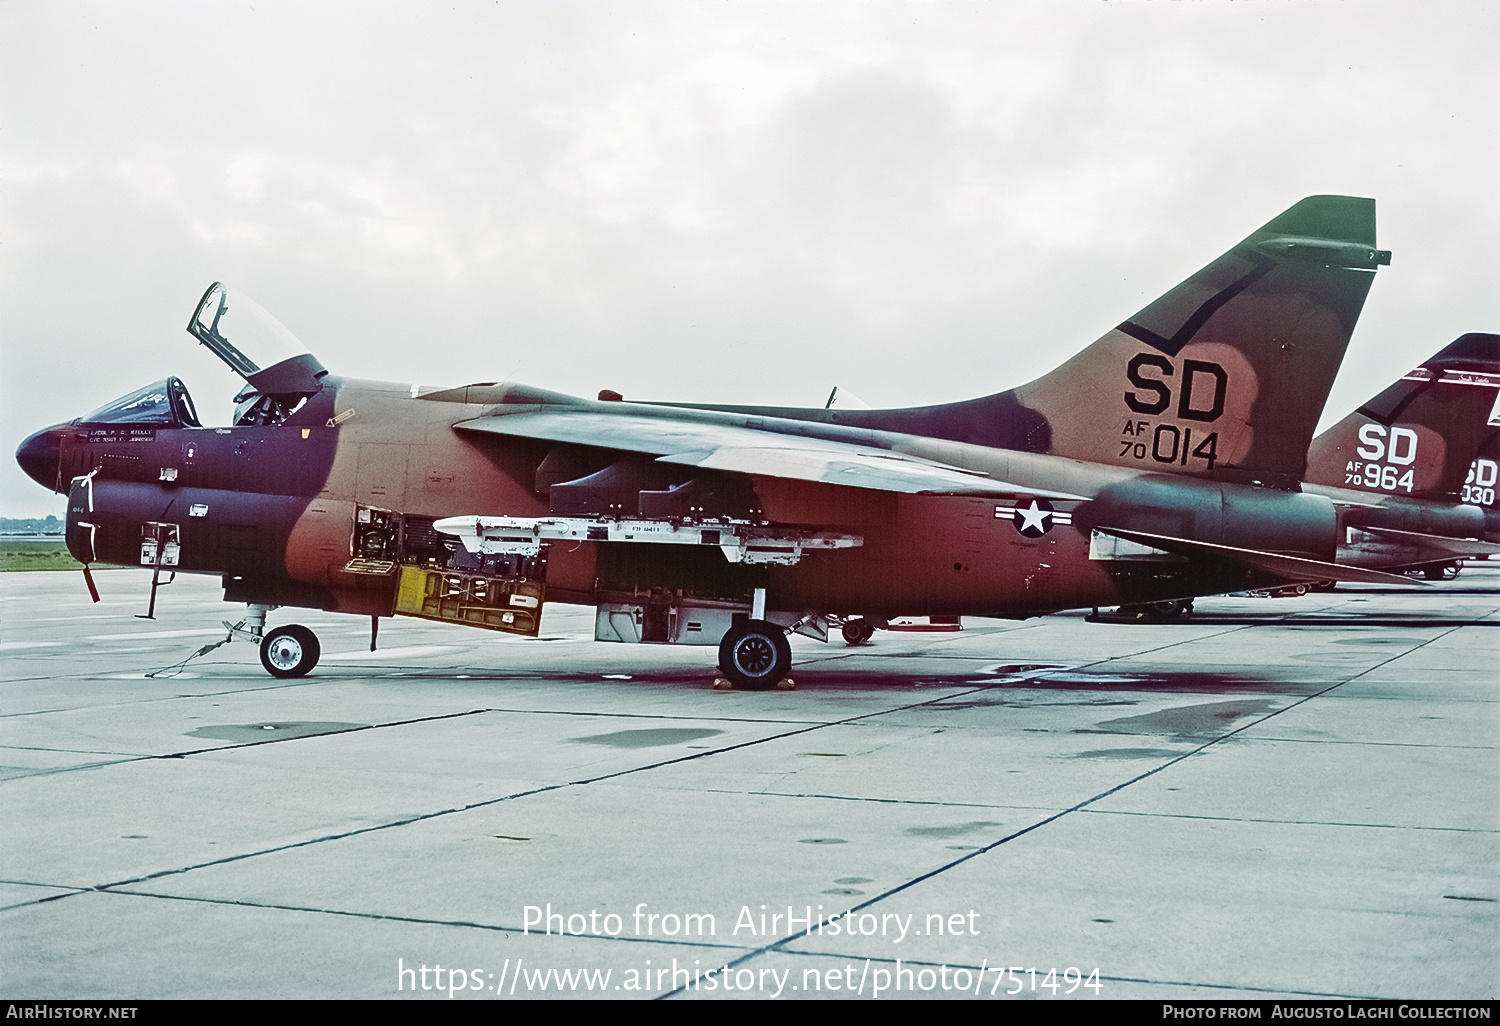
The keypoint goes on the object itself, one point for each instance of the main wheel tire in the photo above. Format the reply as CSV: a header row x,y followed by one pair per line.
x,y
857,632
755,655
290,651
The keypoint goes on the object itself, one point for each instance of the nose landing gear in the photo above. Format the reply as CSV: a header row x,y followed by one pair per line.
x,y
290,651
285,652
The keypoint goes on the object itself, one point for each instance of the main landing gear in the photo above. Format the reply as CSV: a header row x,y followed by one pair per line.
x,y
755,655
1146,612
857,632
1167,609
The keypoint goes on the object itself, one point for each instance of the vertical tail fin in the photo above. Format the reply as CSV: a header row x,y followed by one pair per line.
x,y
1225,376
1419,437
1480,486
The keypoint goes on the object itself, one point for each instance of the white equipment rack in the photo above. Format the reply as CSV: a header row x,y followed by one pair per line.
x,y
740,543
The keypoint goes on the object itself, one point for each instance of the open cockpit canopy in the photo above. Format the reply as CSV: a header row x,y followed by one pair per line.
x,y
281,373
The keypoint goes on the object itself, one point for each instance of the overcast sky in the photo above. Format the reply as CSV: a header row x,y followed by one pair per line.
x,y
746,202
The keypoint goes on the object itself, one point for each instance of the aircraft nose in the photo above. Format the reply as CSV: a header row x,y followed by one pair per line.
x,y
40,455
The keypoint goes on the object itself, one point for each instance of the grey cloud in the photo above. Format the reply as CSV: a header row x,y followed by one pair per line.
x,y
733,202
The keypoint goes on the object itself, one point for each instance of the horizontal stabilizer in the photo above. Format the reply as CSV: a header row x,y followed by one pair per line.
x,y
1291,568
1438,545
746,450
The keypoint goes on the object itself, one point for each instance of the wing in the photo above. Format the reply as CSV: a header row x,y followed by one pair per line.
x,y
748,450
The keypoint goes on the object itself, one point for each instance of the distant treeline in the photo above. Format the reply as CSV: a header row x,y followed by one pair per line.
x,y
33,525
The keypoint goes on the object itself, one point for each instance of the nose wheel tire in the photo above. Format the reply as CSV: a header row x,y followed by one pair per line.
x,y
290,651
755,655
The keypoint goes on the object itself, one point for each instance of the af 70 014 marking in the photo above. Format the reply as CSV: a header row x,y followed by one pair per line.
x,y
1167,441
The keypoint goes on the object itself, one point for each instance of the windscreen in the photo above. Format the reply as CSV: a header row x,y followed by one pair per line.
x,y
164,403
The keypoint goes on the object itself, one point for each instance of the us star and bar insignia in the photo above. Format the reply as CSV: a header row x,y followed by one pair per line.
x,y
1033,520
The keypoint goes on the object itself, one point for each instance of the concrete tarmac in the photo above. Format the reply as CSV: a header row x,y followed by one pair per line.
x,y
1278,798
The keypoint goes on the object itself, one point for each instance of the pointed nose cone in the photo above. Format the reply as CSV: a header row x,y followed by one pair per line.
x,y
40,455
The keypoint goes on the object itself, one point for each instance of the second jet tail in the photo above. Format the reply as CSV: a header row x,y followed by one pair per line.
x,y
1418,438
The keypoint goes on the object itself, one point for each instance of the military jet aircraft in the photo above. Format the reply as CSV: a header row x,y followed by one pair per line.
x,y
1161,462
1403,468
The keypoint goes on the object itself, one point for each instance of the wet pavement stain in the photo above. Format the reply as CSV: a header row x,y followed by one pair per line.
x,y
1220,680
1127,753
956,830
1185,722
270,731
656,737
1008,670
1012,700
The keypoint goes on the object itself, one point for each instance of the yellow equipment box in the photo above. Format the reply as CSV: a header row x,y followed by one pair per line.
x,y
513,606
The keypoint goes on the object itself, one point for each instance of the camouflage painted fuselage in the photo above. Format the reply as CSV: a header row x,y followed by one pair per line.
x,y
276,510
1163,461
